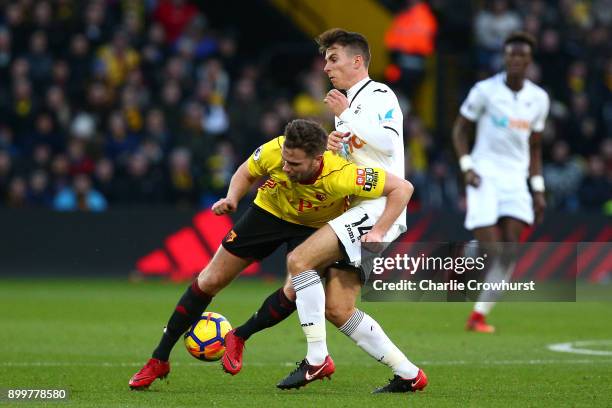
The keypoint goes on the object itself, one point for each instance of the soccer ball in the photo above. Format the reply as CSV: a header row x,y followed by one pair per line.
x,y
205,340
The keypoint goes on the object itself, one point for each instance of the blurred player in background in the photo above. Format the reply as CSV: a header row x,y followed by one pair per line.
x,y
306,187
509,112
369,132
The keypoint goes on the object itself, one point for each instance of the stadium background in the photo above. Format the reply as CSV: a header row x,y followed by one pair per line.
x,y
122,121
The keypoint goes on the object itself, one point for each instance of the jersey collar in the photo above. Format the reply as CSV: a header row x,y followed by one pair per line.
x,y
354,90
316,175
503,75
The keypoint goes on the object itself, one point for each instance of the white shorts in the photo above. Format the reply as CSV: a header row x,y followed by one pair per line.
x,y
496,198
357,221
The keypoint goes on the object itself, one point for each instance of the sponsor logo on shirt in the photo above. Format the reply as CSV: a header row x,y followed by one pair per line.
x,y
371,180
505,122
257,154
305,205
353,142
388,116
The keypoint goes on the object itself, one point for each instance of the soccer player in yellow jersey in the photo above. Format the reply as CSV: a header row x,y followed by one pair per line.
x,y
369,125
306,187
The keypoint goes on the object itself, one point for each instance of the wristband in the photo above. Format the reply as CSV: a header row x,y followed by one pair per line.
x,y
466,163
537,183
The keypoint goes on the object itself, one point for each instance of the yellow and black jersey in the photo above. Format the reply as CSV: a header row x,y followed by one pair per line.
x,y
319,201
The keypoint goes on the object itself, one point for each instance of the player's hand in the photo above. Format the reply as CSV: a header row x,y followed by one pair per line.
x,y
472,178
539,205
336,102
224,206
373,240
335,139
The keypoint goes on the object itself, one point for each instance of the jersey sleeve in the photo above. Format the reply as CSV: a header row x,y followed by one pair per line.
x,y
367,182
540,121
265,157
474,105
377,120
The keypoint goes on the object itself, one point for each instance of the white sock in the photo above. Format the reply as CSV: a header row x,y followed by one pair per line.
x,y
310,302
483,307
368,335
487,298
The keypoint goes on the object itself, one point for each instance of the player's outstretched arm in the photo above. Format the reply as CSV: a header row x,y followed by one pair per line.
x,y
240,184
462,130
398,192
535,175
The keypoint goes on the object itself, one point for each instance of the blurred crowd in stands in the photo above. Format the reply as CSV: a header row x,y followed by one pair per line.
x,y
573,62
113,103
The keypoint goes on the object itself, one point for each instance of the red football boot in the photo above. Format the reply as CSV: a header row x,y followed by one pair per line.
x,y
232,359
153,370
477,323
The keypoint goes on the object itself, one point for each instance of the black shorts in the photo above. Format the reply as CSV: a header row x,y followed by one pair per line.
x,y
258,233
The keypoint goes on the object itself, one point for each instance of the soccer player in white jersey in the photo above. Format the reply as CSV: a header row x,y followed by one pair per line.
x,y
509,112
368,131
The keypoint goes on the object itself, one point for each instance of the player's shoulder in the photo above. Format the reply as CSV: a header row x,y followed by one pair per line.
x,y
333,162
275,144
379,90
489,84
334,166
269,150
537,90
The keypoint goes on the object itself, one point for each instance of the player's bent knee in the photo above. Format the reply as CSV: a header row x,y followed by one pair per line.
x,y
289,291
338,315
296,263
209,283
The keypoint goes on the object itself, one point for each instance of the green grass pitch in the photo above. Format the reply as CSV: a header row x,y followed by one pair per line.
x,y
91,336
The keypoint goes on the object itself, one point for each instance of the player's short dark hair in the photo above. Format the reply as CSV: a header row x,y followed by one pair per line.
x,y
521,37
356,41
307,135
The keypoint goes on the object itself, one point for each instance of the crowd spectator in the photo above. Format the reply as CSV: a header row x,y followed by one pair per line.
x,y
492,25
79,196
410,40
563,176
107,103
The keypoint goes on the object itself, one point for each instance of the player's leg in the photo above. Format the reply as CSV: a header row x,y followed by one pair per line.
x,y
279,305
515,211
342,286
487,238
243,244
481,218
318,251
221,270
511,229
274,309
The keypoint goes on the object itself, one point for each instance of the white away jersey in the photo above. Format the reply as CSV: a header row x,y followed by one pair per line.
x,y
505,120
375,121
